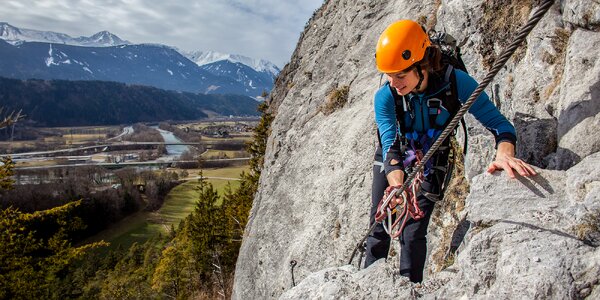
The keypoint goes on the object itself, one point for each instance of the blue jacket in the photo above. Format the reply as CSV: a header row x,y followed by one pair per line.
x,y
385,116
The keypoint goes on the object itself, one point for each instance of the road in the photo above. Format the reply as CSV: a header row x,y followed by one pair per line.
x,y
126,130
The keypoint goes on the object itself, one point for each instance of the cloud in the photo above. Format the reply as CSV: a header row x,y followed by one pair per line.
x,y
266,29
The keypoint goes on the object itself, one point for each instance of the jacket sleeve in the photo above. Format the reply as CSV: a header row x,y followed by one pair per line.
x,y
484,110
385,117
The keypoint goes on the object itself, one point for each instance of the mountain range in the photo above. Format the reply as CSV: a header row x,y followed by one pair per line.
x,y
16,35
104,56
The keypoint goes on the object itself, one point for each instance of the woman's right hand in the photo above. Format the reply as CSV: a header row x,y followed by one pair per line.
x,y
395,177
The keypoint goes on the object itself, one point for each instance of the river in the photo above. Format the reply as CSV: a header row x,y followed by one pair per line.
x,y
173,151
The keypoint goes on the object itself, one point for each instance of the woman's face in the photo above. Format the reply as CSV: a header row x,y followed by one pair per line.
x,y
404,81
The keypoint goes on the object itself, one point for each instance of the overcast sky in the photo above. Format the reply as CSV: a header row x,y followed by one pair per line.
x,y
267,29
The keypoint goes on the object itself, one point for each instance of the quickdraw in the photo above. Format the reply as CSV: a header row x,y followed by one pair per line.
x,y
404,206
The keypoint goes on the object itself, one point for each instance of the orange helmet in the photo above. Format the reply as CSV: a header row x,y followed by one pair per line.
x,y
401,44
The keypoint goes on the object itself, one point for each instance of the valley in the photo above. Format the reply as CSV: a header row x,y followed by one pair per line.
x,y
111,159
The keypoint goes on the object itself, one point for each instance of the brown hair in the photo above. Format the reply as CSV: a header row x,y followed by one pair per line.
x,y
432,61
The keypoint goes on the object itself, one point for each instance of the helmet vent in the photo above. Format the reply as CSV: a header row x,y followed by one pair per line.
x,y
406,54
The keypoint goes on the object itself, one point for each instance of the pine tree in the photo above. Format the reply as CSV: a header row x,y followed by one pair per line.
x,y
207,228
6,172
35,251
257,147
174,275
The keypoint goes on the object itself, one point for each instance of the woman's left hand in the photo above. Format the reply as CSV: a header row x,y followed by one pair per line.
x,y
506,160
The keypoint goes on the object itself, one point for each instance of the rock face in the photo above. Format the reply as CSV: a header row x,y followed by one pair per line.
x,y
519,246
314,197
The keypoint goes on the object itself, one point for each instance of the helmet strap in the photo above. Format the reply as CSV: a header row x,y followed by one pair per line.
x,y
421,77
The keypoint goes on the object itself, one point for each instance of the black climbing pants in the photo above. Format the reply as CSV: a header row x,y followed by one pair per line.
x,y
413,240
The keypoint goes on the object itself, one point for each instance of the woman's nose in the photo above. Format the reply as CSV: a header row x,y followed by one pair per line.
x,y
393,81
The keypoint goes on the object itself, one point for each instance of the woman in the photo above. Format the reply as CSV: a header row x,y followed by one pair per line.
x,y
410,111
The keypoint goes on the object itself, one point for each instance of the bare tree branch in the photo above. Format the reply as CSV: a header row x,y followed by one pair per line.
x,y
11,119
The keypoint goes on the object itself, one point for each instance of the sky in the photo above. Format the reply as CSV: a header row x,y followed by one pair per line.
x,y
267,29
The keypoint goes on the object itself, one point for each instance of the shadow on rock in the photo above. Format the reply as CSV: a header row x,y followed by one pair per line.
x,y
530,147
533,182
563,159
535,227
578,111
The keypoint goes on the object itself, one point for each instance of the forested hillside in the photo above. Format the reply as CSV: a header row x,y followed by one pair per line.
x,y
81,103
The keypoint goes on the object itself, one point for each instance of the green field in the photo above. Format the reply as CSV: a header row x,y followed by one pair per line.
x,y
208,154
179,203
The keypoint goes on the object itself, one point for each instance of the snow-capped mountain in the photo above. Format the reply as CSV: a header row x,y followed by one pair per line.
x,y
256,75
254,82
208,57
102,39
15,35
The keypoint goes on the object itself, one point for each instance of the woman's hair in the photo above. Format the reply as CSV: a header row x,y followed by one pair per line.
x,y
432,61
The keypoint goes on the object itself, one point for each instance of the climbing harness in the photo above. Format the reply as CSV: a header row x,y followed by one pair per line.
x,y
498,64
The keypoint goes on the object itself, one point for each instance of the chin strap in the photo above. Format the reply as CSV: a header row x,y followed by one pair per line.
x,y
421,77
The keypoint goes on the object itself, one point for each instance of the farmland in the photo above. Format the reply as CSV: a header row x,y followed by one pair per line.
x,y
206,147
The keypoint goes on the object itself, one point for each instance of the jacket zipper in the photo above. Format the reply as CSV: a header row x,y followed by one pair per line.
x,y
422,115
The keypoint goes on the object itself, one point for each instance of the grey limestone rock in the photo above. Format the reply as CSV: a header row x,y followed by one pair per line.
x,y
520,245
314,196
582,13
579,101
